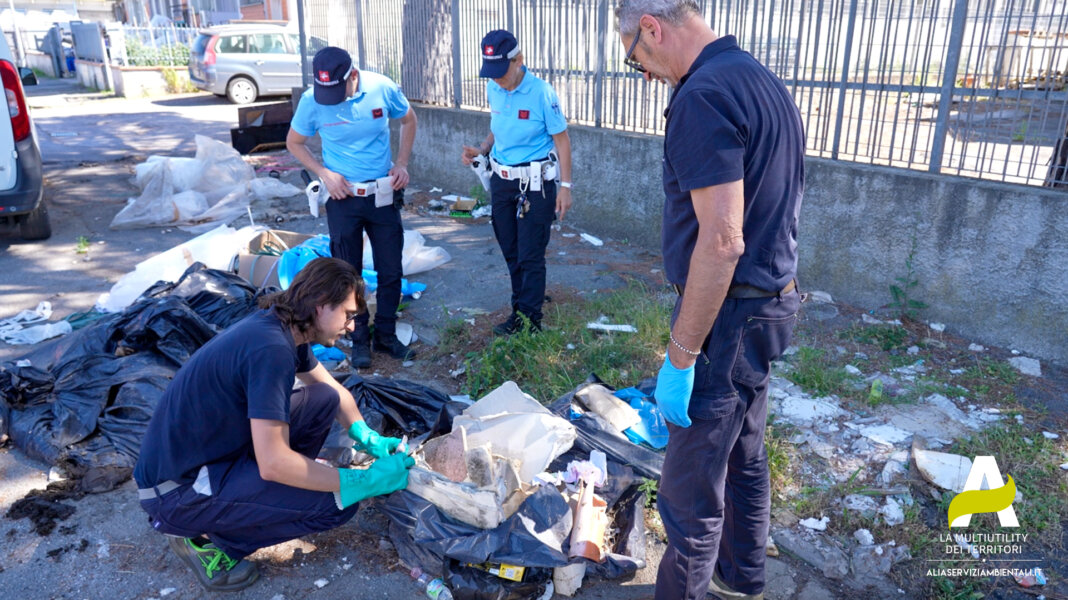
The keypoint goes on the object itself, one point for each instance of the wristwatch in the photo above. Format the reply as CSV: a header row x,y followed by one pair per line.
x,y
565,184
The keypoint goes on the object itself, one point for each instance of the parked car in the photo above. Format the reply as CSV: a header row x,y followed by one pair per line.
x,y
21,181
246,61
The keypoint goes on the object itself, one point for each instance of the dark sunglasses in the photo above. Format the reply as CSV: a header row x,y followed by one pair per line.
x,y
630,62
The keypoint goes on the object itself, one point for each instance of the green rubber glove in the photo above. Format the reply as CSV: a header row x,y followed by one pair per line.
x,y
385,475
369,441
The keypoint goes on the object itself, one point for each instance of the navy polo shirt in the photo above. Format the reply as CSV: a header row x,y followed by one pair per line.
x,y
730,119
523,120
245,372
355,133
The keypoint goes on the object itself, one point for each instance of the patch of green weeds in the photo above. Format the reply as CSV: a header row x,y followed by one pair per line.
x,y
455,336
649,487
902,291
886,337
554,361
479,194
81,246
944,588
781,455
814,371
994,369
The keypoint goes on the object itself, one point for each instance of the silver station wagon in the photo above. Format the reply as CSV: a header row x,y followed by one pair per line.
x,y
245,61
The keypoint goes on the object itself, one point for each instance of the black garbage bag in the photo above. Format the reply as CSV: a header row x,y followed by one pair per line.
x,y
85,401
595,434
532,537
220,298
395,407
25,386
167,325
470,583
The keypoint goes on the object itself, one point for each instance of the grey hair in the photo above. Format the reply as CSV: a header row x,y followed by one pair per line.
x,y
674,12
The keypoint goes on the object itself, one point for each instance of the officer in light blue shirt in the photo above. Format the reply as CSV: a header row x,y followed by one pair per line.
x,y
350,110
531,184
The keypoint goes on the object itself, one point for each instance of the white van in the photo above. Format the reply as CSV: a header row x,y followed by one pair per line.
x,y
21,181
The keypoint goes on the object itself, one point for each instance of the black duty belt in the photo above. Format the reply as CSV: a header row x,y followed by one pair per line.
x,y
747,291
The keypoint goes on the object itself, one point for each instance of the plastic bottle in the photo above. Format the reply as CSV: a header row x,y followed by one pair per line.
x,y
433,586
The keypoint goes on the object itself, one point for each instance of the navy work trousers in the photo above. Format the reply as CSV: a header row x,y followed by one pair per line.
x,y
523,241
715,496
347,219
244,513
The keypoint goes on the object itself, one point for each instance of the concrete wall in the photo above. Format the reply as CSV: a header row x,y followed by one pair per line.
x,y
990,259
139,82
91,74
42,62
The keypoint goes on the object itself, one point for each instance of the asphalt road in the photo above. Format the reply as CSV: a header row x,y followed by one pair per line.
x,y
106,549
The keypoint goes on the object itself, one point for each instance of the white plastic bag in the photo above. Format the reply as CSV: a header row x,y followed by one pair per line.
x,y
36,333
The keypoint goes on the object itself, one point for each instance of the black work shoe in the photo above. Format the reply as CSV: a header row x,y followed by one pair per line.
x,y
393,347
215,570
361,355
514,324
724,591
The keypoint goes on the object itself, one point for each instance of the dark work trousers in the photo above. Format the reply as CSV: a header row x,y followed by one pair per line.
x,y
523,241
715,496
347,219
245,513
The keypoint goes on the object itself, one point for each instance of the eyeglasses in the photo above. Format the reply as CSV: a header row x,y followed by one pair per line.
x,y
350,317
630,62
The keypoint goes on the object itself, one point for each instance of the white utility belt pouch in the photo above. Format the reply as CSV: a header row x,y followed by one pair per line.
x,y
532,175
372,188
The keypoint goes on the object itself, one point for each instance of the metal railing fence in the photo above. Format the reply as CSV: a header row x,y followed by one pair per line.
x,y
967,87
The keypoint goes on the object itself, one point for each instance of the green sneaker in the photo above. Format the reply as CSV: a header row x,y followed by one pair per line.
x,y
215,570
724,591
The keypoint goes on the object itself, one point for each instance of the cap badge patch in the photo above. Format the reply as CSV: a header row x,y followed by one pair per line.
x,y
324,75
488,51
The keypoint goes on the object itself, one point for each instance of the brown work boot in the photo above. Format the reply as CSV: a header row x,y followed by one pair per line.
x,y
215,570
724,591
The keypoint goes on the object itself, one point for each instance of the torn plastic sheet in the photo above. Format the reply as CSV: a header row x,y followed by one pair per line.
x,y
295,259
594,433
471,583
83,401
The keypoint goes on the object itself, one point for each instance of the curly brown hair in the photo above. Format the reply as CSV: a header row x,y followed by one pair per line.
x,y
322,282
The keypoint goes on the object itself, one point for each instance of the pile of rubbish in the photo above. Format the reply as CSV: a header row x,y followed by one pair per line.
x,y
509,499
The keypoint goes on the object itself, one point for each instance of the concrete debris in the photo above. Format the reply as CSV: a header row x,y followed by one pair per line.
x,y
852,370
816,551
800,410
870,562
865,505
816,524
887,435
1027,366
913,350
320,583
591,239
568,579
891,471
947,471
167,592
976,347
771,549
939,327
1064,466
864,537
892,513
1049,435
870,320
820,297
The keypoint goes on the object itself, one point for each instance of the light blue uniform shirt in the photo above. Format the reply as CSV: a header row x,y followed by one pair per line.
x,y
523,120
355,133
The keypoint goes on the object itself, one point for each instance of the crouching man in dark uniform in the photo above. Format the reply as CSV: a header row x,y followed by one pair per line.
x,y
350,110
733,179
227,465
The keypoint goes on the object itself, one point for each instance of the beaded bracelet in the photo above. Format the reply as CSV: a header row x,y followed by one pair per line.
x,y
681,347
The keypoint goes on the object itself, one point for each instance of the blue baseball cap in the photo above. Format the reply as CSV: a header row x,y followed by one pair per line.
x,y
498,48
330,70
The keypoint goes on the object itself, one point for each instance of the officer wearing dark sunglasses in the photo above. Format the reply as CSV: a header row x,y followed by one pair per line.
x,y
733,174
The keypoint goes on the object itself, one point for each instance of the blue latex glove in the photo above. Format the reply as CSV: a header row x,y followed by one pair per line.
x,y
385,475
371,442
673,390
